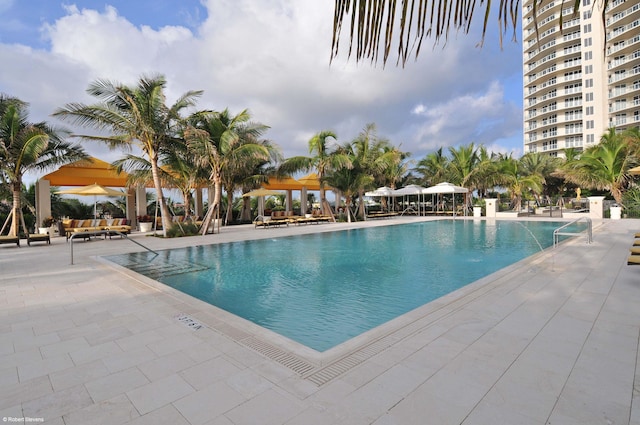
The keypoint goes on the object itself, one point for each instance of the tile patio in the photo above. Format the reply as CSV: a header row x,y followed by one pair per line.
x,y
551,340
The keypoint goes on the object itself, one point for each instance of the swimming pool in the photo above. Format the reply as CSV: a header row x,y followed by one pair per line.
x,y
323,289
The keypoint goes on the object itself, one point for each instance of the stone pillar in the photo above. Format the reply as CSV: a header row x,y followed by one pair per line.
x,y
141,203
303,201
596,207
131,206
491,207
43,201
289,201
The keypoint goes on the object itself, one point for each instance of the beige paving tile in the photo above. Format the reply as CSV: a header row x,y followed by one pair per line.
x,y
63,347
315,416
220,420
115,411
15,394
167,415
166,365
44,367
58,403
11,412
280,408
209,403
77,375
21,358
139,340
126,359
116,383
28,342
206,373
53,326
8,376
107,335
202,352
173,344
159,393
248,383
96,352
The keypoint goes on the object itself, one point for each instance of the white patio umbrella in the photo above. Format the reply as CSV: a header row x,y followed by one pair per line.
x,y
95,190
412,189
446,187
381,192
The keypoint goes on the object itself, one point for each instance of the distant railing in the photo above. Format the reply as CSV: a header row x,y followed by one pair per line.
x,y
560,231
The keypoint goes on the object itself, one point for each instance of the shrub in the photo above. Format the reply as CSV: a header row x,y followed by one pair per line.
x,y
186,229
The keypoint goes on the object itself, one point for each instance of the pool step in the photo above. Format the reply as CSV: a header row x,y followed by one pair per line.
x,y
155,270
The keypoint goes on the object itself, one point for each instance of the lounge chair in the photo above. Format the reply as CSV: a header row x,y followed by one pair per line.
x,y
635,250
10,239
633,260
38,237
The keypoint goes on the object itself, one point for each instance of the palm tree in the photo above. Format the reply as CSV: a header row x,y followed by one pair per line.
x,y
248,173
220,141
325,159
517,181
25,147
632,137
178,169
463,165
372,24
372,159
486,176
604,166
134,116
433,168
535,163
348,181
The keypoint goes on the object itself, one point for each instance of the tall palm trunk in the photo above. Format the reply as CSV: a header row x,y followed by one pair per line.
x,y
213,212
14,230
245,216
164,209
361,210
229,218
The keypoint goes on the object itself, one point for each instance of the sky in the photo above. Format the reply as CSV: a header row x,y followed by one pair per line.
x,y
270,57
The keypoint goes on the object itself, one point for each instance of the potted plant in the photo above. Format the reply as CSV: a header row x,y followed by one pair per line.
x,y
145,222
48,226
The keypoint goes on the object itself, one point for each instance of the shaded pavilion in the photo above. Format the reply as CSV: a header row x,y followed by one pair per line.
x,y
83,173
289,184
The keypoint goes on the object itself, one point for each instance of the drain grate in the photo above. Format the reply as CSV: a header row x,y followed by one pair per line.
x,y
343,365
274,353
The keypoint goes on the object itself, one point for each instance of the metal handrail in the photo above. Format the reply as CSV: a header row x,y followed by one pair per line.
x,y
104,232
558,232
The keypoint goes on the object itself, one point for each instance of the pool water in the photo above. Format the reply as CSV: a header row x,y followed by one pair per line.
x,y
324,289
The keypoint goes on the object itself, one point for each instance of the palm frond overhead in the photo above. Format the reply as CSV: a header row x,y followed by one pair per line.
x,y
372,23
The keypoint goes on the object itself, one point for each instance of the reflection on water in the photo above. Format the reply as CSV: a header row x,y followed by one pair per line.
x,y
323,289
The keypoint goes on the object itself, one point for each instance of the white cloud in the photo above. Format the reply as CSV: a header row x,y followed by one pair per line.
x,y
473,117
272,56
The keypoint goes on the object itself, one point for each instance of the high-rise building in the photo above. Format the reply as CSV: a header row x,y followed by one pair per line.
x,y
581,77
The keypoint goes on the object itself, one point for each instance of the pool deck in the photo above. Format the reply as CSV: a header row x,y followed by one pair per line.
x,y
553,339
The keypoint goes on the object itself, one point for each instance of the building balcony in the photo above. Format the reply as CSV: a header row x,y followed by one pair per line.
x,y
619,17
626,46
619,32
